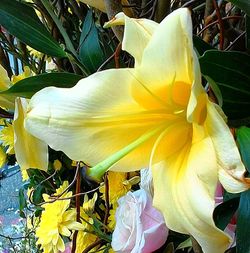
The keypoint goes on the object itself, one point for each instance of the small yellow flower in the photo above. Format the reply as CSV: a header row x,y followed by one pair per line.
x,y
25,175
89,205
111,219
57,165
86,237
7,137
26,73
56,220
120,185
36,54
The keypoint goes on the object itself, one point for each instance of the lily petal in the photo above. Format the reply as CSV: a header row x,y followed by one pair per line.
x,y
231,168
6,101
184,189
168,69
30,151
4,79
139,30
97,111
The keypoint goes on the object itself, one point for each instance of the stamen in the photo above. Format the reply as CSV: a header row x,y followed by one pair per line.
x,y
98,171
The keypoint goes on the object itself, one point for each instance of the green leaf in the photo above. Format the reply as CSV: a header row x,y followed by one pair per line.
x,y
21,21
186,244
243,224
242,4
215,89
37,194
243,218
248,34
230,71
200,45
243,139
22,202
224,212
29,86
90,52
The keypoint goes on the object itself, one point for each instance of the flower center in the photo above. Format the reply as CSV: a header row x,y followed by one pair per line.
x,y
181,93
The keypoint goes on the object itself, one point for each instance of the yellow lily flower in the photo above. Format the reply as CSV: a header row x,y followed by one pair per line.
x,y
155,115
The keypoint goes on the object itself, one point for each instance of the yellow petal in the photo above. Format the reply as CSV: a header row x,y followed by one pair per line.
x,y
7,101
231,168
26,73
60,246
30,151
74,225
197,93
168,61
64,230
184,186
97,114
4,79
7,138
135,30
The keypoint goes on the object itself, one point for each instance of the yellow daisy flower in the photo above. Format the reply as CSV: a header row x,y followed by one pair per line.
x,y
111,218
120,185
56,220
85,237
7,137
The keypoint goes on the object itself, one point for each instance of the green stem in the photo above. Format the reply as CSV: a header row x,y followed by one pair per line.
x,y
98,171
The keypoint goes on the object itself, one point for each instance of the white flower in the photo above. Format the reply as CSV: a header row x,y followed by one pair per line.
x,y
140,228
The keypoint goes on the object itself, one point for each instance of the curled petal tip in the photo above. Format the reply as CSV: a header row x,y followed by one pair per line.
x,y
117,20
